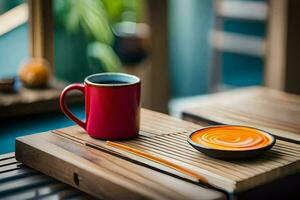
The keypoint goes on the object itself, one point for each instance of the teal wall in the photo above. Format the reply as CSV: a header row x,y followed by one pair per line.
x,y
13,49
189,24
13,44
16,127
70,57
6,5
243,70
71,62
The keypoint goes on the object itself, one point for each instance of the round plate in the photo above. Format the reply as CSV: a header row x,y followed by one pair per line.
x,y
231,154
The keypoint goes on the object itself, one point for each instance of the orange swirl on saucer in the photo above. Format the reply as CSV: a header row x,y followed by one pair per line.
x,y
232,138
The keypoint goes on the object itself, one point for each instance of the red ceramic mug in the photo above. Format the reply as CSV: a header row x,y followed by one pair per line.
x,y
112,105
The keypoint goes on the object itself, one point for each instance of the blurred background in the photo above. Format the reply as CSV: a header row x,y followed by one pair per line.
x,y
181,49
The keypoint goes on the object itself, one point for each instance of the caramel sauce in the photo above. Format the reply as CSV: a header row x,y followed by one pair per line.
x,y
231,138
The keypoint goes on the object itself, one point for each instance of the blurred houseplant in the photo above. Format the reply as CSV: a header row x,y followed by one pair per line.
x,y
84,35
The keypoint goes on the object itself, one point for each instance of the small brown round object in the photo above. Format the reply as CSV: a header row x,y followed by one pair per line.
x,y
35,73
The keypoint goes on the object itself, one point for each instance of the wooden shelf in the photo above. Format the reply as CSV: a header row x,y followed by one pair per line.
x,y
32,101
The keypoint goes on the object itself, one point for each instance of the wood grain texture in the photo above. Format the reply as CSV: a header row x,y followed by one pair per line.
x,y
283,46
25,183
31,101
7,156
271,110
158,160
158,21
233,176
292,48
165,137
101,174
275,67
41,30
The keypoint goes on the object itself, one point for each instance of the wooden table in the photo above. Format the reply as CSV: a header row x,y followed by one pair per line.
x,y
18,181
102,174
104,171
268,109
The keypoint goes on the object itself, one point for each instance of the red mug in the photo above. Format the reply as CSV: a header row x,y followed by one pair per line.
x,y
112,105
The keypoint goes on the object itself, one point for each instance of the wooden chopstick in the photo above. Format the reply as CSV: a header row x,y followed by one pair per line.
x,y
161,161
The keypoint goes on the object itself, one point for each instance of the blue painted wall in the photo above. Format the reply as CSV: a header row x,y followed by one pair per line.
x,y
8,4
189,24
11,129
241,70
13,49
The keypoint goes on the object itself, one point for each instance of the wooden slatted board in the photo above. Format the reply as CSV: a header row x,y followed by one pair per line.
x,y
164,137
104,175
20,182
271,110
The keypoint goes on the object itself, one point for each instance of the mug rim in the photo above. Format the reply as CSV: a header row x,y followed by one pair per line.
x,y
87,81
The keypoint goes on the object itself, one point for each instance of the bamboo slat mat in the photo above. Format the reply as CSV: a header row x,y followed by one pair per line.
x,y
271,110
166,137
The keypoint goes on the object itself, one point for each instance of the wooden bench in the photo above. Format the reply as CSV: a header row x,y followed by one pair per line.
x,y
20,182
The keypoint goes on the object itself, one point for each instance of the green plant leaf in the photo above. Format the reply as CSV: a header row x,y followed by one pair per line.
x,y
105,55
89,15
114,10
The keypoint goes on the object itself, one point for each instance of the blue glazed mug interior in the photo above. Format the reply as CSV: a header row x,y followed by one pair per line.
x,y
112,79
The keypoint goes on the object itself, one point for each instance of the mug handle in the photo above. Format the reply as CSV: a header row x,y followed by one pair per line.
x,y
63,106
